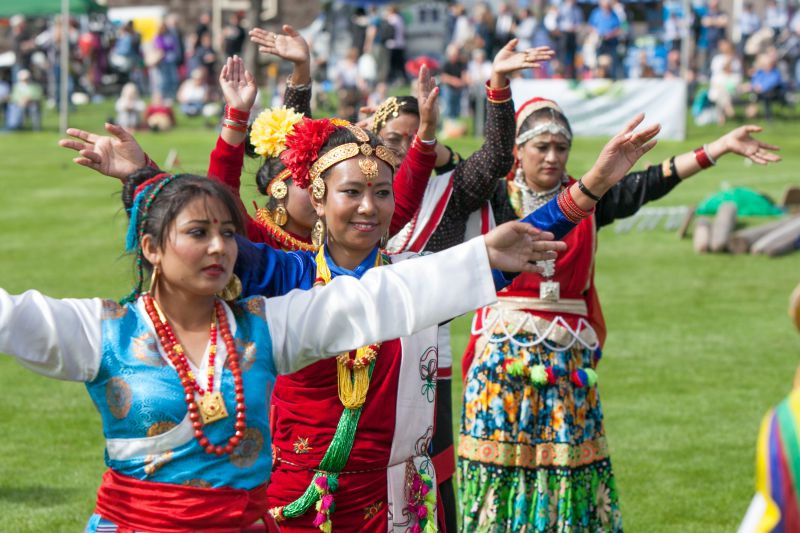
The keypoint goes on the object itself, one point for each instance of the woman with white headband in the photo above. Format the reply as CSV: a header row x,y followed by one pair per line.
x,y
532,450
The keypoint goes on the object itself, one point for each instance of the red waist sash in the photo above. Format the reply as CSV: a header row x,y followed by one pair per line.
x,y
162,507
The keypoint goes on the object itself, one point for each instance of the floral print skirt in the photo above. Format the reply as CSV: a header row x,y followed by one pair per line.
x,y
532,450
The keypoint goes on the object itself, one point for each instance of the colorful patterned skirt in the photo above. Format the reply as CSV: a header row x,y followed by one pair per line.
x,y
532,450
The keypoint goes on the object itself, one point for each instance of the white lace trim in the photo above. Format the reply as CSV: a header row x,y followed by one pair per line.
x,y
503,325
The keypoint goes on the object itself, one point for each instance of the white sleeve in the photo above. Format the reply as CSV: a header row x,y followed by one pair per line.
x,y
387,303
56,338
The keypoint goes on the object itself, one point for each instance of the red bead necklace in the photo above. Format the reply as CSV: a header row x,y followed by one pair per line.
x,y
211,406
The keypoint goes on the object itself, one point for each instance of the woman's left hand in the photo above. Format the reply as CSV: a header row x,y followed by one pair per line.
x,y
508,60
740,141
238,86
516,246
427,93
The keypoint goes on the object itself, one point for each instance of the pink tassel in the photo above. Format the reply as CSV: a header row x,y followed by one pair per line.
x,y
327,501
425,489
422,512
320,519
322,483
416,529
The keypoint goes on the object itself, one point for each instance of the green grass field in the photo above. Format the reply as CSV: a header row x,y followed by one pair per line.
x,y
699,346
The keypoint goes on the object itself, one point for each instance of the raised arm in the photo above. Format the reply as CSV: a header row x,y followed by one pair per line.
x,y
626,197
396,300
475,178
225,165
289,46
56,338
412,177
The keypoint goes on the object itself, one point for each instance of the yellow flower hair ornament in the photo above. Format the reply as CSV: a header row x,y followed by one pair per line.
x,y
269,130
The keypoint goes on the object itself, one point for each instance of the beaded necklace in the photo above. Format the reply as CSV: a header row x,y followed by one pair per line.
x,y
353,378
211,406
287,241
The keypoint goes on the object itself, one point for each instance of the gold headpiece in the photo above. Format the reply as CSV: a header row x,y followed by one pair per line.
x,y
389,109
368,165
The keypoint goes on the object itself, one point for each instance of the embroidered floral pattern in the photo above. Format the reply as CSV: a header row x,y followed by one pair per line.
x,y
118,397
301,446
532,453
372,511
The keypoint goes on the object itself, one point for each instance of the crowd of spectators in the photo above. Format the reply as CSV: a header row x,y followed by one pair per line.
x,y
750,61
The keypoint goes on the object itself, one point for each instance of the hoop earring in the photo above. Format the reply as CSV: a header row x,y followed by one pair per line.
x,y
384,240
153,279
318,233
232,289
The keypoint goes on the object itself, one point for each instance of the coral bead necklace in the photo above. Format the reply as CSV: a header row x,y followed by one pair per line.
x,y
211,406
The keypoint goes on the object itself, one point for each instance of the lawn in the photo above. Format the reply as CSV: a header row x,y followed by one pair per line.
x,y
699,346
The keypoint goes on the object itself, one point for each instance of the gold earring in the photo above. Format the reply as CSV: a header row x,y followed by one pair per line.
x,y
232,289
384,240
318,233
318,188
279,191
153,279
279,215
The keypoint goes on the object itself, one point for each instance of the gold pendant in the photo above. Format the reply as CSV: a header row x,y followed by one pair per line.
x,y
550,291
212,407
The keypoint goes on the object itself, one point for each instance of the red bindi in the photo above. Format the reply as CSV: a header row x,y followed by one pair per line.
x,y
369,184
215,221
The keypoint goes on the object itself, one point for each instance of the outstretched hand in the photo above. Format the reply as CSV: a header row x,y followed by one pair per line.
x,y
117,155
427,98
509,60
289,46
516,246
237,84
740,141
623,151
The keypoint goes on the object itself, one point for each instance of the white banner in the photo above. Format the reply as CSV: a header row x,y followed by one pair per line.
x,y
600,108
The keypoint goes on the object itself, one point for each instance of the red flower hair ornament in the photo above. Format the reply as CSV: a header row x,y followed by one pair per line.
x,y
303,145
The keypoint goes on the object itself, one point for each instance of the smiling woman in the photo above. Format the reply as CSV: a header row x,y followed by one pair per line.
x,y
181,374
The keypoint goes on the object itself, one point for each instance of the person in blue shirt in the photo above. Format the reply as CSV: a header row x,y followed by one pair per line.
x,y
606,23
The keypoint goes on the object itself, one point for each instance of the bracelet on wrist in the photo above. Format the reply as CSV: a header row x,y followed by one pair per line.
x,y
585,190
571,209
703,159
234,126
296,86
668,168
236,114
426,147
498,96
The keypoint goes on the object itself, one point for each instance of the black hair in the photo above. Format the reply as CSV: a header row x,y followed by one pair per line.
x,y
156,214
267,172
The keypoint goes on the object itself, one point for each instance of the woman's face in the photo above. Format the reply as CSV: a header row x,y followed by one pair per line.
x,y
356,211
199,249
301,213
544,161
398,133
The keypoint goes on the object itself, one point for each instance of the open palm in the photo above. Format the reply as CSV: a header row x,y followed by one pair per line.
x,y
116,155
740,141
289,46
509,60
238,86
624,150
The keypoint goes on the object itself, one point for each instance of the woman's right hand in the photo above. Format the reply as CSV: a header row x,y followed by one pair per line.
x,y
508,60
237,84
619,155
516,246
115,156
427,98
290,46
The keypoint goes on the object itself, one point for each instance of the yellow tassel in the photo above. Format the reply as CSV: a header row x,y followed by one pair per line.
x,y
352,390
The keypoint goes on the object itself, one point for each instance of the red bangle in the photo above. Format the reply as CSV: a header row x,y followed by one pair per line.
x,y
498,96
240,129
570,209
236,114
422,146
702,158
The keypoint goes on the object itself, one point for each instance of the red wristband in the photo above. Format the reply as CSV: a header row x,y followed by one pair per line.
x,y
240,129
702,158
498,96
236,114
570,209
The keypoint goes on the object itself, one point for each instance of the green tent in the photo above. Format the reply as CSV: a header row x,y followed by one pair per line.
x,y
33,8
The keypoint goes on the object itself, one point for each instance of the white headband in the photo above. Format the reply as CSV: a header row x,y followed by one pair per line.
x,y
551,127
